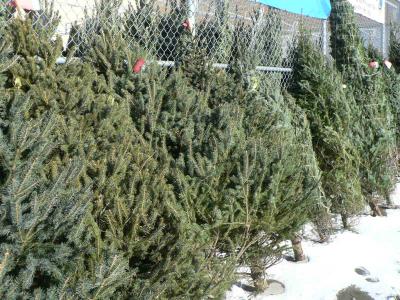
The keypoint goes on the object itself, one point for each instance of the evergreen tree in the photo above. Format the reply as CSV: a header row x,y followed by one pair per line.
x,y
215,33
392,90
182,263
104,15
40,219
376,139
37,90
346,43
274,171
394,46
136,234
392,80
141,25
5,15
319,90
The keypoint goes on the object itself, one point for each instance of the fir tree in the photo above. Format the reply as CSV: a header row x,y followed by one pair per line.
x,y
375,139
319,90
215,34
141,24
185,246
41,217
170,28
136,234
394,46
4,45
104,15
392,79
36,82
346,42
273,168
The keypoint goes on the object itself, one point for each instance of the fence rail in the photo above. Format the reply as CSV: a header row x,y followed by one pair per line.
x,y
156,26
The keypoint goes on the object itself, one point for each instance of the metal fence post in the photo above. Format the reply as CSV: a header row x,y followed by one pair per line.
x,y
384,50
192,5
325,37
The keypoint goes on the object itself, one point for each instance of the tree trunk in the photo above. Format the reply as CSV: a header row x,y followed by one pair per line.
x,y
258,276
298,249
345,220
323,225
376,211
388,200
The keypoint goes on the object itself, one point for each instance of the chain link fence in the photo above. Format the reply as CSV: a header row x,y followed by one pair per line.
x,y
156,26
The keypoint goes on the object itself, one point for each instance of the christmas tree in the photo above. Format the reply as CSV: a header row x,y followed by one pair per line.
x,y
42,125
392,90
273,168
394,46
40,251
375,139
346,43
215,33
154,111
319,90
135,234
141,24
104,15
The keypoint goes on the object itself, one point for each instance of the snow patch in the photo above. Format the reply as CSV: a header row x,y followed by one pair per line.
x,y
374,246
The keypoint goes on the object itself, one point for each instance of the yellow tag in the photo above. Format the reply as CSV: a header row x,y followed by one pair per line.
x,y
17,83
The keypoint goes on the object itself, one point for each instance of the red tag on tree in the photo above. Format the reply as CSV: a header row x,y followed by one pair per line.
x,y
186,24
26,4
373,65
139,65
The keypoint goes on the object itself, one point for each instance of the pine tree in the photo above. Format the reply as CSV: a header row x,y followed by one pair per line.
x,y
274,171
394,46
346,42
319,90
215,33
40,218
182,263
376,139
104,15
37,90
141,25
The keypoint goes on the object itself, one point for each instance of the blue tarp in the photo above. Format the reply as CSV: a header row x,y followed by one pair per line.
x,y
312,8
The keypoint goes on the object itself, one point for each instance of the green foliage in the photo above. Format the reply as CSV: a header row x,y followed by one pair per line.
x,y
346,43
274,171
141,24
104,15
159,184
376,138
176,255
4,47
40,249
215,34
394,46
373,53
392,91
319,90
158,33
46,177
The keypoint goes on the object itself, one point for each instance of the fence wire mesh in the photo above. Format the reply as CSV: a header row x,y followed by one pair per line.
x,y
156,26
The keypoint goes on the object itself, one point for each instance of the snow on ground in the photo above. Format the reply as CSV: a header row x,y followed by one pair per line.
x,y
375,246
